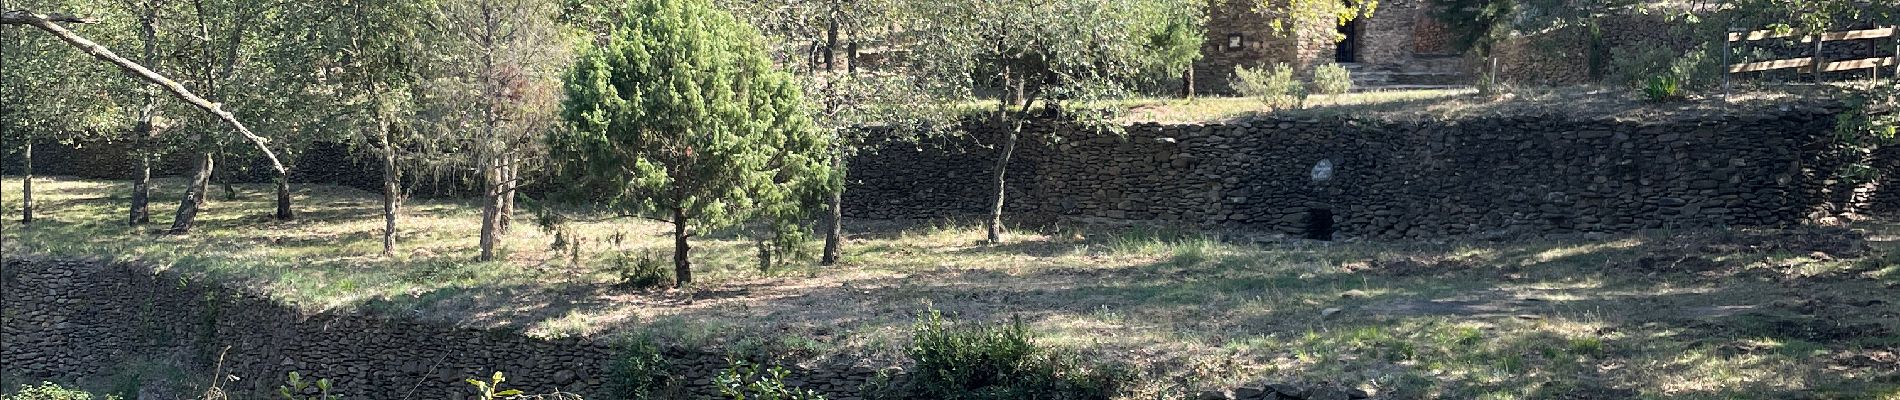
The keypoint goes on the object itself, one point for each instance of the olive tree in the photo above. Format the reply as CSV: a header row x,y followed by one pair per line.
x,y
678,116
1061,55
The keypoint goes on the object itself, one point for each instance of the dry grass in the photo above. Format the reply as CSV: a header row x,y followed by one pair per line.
x,y
1582,102
1712,314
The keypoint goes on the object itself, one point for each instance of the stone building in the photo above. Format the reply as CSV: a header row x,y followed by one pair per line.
x,y
1399,45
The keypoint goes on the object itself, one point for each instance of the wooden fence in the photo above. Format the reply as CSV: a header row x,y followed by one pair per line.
x,y
1816,64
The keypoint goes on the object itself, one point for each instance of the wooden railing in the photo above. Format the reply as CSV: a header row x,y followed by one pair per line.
x,y
1816,64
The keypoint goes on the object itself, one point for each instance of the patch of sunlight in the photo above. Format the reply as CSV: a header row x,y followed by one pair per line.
x,y
1577,250
576,323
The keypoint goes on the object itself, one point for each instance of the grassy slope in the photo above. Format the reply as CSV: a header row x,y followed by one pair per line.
x,y
1691,314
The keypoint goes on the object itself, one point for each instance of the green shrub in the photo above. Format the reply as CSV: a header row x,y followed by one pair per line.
x,y
1332,79
642,272
983,362
1663,87
638,372
49,391
1276,87
295,388
746,381
1662,73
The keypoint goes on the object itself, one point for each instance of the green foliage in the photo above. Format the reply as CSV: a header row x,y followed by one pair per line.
x,y
1286,15
491,388
679,115
1276,87
1662,88
295,388
1644,65
1176,35
638,371
1476,25
642,272
1332,79
743,380
50,391
1872,121
996,362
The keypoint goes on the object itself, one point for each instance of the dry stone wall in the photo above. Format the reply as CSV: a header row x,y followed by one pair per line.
x,y
1339,177
77,322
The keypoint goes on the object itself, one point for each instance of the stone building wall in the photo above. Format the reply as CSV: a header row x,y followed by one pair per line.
x,y
80,321
1541,174
1304,46
1402,33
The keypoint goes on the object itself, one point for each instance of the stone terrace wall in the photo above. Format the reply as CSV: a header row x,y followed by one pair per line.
x,y
1542,174
83,321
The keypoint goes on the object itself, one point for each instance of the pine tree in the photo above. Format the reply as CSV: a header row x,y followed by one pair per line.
x,y
678,116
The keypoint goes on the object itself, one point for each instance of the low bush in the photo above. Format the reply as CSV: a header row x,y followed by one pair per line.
x,y
1276,86
1332,79
1663,87
642,272
1662,73
639,372
49,391
747,381
983,362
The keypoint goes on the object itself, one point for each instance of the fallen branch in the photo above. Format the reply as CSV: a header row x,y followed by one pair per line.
x,y
49,23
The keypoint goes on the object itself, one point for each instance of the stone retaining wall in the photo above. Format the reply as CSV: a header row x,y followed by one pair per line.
x,y
79,322
1306,176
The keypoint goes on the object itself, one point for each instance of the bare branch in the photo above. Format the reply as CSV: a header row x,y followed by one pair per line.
x,y
21,17
48,23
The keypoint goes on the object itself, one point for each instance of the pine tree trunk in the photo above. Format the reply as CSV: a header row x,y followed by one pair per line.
x,y
26,187
834,221
1002,169
682,267
187,215
392,194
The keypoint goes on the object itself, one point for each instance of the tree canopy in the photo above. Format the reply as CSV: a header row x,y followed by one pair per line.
x,y
679,116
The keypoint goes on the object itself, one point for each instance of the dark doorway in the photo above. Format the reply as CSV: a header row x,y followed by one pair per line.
x,y
1348,49
1319,224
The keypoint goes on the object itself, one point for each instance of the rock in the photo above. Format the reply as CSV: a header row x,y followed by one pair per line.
x,y
1288,390
1328,393
1250,393
1356,394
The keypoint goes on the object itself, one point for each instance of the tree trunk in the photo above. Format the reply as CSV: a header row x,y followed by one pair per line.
x,y
1187,83
224,179
392,194
141,211
491,211
513,179
1002,169
283,198
834,221
187,215
831,45
682,267
26,187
